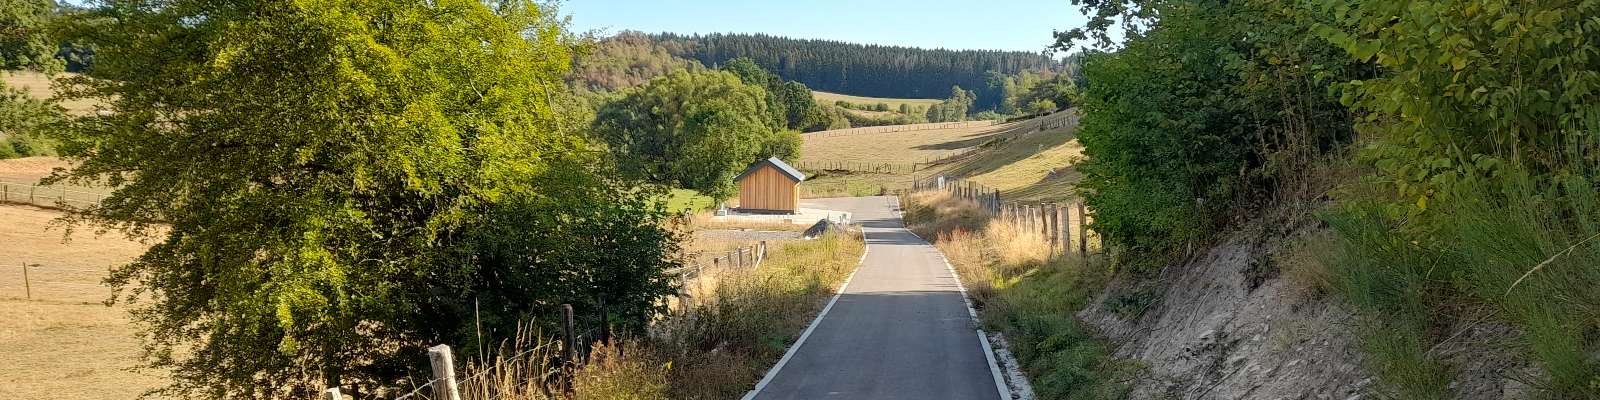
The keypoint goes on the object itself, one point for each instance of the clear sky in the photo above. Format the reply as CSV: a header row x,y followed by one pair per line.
x,y
1022,25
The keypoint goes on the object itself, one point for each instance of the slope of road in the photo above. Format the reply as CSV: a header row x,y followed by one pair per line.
x,y
901,329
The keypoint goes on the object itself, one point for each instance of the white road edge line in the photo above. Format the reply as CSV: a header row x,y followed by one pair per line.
x,y
773,372
988,349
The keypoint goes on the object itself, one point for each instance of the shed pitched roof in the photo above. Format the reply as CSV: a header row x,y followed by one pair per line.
x,y
776,163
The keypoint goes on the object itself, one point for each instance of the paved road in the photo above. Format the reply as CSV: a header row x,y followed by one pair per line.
x,y
899,331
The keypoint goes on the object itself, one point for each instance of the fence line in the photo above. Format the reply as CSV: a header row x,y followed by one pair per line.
x,y
47,196
36,280
900,128
1050,219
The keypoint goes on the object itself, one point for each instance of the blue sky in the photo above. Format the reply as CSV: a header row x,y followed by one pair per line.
x,y
1022,25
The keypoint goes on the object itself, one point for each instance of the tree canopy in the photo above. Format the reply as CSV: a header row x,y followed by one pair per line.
x,y
863,70
24,43
331,185
693,130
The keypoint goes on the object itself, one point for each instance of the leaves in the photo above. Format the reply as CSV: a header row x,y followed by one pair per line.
x,y
330,184
693,130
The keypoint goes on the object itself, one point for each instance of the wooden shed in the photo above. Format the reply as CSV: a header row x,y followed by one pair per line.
x,y
769,186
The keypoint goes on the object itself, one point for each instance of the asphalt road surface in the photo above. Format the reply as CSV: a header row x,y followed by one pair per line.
x,y
900,330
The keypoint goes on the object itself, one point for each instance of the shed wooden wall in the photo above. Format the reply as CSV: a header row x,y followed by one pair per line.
x,y
768,189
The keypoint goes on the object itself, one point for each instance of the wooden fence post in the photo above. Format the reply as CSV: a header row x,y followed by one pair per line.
x,y
569,344
1083,231
605,320
26,286
1055,226
333,394
444,373
1066,231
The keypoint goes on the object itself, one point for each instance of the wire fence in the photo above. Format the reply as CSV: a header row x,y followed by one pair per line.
x,y
33,281
47,196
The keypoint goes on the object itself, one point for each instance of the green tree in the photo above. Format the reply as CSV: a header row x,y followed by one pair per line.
x,y
797,103
331,186
693,130
24,42
1042,107
952,109
23,121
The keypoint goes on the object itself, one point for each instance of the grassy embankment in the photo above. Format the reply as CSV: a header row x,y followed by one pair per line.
x,y
1023,164
1025,292
1506,261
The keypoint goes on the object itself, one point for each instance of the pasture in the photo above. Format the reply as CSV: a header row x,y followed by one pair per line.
x,y
64,343
1022,161
894,104
37,85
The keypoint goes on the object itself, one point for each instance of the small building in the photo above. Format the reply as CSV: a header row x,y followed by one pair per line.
x,y
769,186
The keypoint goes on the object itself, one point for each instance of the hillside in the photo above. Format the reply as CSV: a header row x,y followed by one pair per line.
x,y
1022,161
864,70
894,103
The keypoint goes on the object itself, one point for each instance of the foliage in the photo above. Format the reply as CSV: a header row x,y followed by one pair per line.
x,y
24,122
1194,121
954,108
693,130
1042,107
865,70
1472,86
789,102
24,42
332,186
622,61
825,117
1482,128
1479,119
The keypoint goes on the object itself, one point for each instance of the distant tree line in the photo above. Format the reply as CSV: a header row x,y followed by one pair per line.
x,y
864,70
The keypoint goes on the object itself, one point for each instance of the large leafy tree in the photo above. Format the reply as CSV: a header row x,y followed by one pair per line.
x,y
693,130
24,43
788,101
331,184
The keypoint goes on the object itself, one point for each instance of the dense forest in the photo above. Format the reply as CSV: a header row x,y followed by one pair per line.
x,y
865,70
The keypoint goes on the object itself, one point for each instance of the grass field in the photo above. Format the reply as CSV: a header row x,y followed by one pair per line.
x,y
1023,163
894,104
38,85
64,344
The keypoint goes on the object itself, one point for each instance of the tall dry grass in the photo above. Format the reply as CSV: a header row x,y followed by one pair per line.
x,y
1026,291
713,343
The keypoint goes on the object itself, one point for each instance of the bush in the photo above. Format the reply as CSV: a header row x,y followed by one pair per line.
x,y
1197,122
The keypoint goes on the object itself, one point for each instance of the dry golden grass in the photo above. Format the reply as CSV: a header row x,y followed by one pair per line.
x,y
1024,163
29,169
64,344
894,104
37,85
895,147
